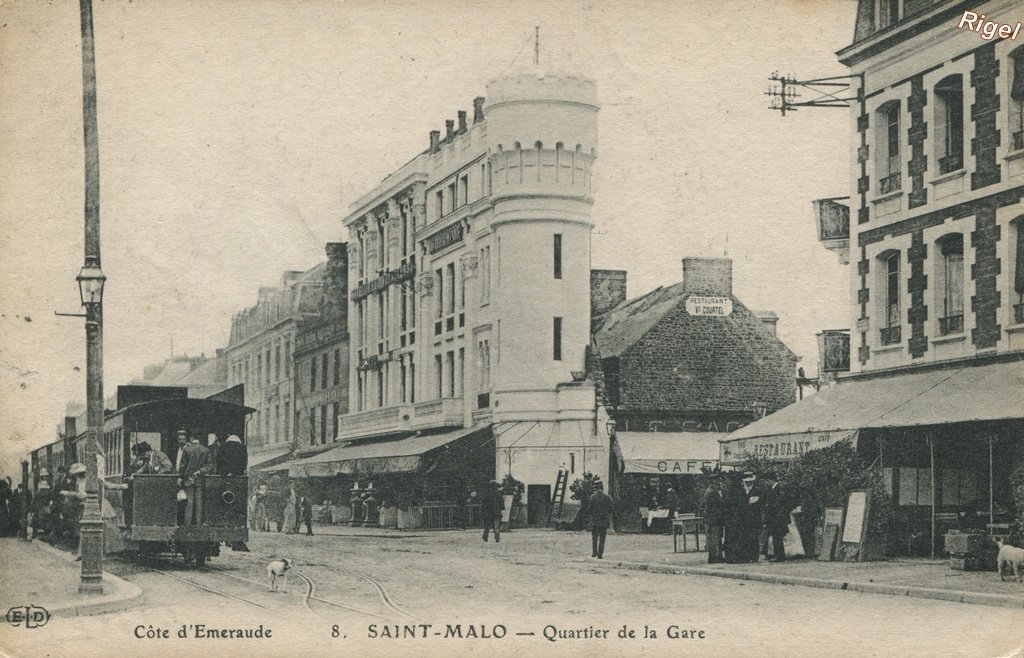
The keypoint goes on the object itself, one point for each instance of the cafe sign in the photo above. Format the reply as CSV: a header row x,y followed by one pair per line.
x,y
707,305
782,447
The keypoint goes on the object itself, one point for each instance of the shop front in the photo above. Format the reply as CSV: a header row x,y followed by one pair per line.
x,y
417,481
944,438
656,474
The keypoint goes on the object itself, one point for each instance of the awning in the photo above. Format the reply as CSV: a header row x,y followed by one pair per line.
x,y
396,456
936,396
264,458
666,452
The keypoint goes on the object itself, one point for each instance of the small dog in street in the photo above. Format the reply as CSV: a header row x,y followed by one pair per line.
x,y
1010,557
278,570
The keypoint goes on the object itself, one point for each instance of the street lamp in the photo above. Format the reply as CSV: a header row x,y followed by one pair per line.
x,y
90,285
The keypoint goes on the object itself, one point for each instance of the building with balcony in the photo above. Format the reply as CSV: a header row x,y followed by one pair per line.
x,y
260,357
321,359
931,230
469,279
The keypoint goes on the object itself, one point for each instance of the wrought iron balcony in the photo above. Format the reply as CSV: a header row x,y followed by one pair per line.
x,y
952,324
891,183
951,163
890,335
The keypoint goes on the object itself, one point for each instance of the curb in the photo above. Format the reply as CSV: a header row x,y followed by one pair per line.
x,y
126,595
956,596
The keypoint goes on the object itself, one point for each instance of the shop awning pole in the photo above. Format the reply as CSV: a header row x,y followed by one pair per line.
x,y
931,456
991,510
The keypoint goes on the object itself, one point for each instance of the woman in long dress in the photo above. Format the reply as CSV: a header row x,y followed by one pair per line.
x,y
291,518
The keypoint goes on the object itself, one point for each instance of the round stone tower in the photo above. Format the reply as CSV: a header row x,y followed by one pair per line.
x,y
542,139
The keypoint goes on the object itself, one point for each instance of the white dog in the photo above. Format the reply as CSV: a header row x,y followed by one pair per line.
x,y
1012,557
278,570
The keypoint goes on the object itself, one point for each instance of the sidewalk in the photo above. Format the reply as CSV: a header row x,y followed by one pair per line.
x,y
37,574
920,578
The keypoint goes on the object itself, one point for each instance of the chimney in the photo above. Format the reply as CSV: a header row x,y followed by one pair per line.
x,y
708,276
462,122
435,138
336,279
768,319
449,130
265,293
607,290
289,277
478,109
69,427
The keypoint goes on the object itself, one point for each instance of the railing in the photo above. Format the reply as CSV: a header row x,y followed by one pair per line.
x,y
952,324
442,516
950,163
890,183
890,335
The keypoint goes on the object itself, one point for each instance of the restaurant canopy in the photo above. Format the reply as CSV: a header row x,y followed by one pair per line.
x,y
404,455
261,460
933,396
666,453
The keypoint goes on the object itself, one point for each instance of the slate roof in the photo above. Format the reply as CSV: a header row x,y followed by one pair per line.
x,y
620,328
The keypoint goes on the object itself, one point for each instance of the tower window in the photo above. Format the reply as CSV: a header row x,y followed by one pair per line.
x,y
557,340
557,248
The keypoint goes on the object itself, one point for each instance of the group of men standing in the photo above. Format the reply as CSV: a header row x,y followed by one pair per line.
x,y
741,514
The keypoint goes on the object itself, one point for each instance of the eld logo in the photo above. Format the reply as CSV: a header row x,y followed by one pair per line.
x,y
32,616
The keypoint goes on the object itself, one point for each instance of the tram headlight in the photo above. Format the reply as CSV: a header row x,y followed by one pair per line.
x,y
228,497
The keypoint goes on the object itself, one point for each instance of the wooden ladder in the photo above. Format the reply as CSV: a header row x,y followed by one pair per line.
x,y
558,496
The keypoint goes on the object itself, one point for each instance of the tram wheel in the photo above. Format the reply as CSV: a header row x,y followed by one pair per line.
x,y
199,558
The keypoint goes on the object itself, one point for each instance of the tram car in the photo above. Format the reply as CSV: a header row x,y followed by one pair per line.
x,y
153,519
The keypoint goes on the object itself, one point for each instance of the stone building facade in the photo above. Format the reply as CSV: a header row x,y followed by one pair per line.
x,y
689,357
321,359
260,356
469,281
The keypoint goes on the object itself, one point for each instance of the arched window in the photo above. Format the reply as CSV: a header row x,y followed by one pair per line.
x,y
949,124
889,287
949,271
887,148
1017,99
1017,247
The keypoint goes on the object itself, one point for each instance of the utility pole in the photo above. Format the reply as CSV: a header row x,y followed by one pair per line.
x,y
91,281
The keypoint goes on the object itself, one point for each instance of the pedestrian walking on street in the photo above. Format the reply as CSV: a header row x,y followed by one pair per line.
x,y
749,522
714,518
307,513
291,518
601,511
776,521
491,505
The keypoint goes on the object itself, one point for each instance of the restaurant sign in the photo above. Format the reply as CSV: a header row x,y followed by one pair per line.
x,y
781,447
705,305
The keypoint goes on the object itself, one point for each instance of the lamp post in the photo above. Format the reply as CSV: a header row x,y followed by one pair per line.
x,y
90,284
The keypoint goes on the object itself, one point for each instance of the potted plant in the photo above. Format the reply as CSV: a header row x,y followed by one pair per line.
x,y
581,489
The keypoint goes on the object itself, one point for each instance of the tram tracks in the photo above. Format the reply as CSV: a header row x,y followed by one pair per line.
x,y
206,588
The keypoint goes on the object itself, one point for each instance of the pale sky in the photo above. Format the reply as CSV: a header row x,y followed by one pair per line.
x,y
234,135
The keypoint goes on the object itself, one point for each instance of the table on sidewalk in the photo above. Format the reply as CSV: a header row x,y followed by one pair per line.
x,y
683,524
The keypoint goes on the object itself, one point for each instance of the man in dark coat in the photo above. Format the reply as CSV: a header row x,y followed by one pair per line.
x,y
600,509
195,461
491,505
751,503
232,458
672,502
714,518
306,513
776,521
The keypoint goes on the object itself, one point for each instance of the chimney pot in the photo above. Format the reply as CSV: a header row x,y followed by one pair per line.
x,y
435,138
449,129
478,109
462,122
